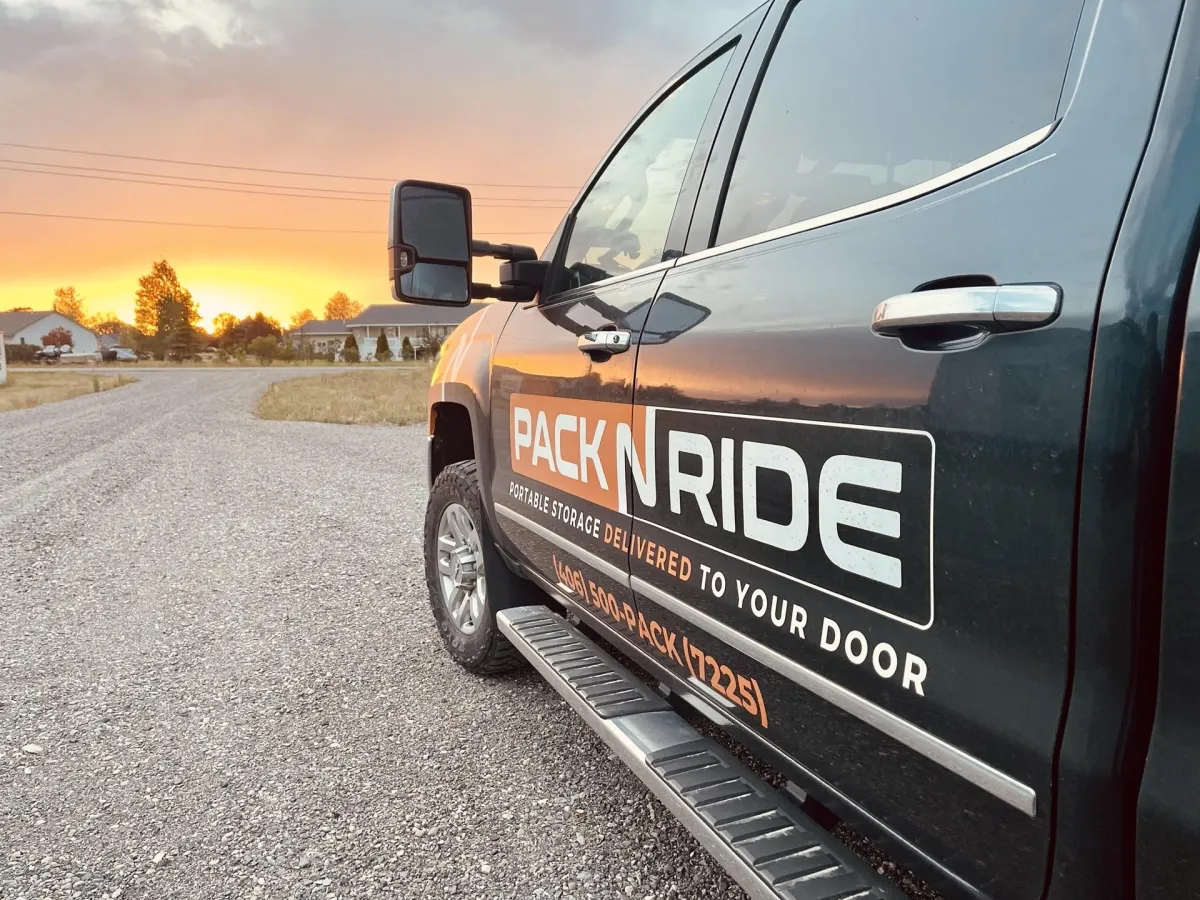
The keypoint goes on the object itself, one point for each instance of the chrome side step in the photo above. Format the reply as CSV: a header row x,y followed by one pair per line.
x,y
767,843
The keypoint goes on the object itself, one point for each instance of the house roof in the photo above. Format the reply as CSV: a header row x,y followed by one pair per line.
x,y
322,326
12,322
413,315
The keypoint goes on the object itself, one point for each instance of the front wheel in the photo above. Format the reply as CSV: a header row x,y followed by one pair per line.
x,y
468,582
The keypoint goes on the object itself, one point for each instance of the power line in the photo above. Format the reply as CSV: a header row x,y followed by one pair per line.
x,y
257,184
232,190
182,162
377,232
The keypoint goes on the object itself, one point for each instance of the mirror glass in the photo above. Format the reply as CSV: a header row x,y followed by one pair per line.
x,y
438,282
434,221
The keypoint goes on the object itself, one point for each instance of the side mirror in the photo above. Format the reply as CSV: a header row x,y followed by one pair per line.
x,y
429,243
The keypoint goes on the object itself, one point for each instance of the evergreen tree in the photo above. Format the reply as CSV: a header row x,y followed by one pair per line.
x,y
183,342
383,350
406,349
350,350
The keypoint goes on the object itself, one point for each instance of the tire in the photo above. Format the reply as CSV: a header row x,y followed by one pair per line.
x,y
476,644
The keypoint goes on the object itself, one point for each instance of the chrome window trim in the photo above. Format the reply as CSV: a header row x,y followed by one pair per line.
x,y
979,773
975,166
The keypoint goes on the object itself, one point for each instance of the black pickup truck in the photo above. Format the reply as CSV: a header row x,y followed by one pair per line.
x,y
856,404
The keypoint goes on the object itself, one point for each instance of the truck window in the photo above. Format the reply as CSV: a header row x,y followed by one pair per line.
x,y
622,223
862,99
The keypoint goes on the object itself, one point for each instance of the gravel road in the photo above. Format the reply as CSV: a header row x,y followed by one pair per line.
x,y
219,678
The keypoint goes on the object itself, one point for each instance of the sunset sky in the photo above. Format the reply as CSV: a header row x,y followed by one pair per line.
x,y
522,94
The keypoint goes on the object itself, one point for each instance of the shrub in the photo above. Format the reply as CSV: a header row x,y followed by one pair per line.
x,y
286,353
406,349
223,355
264,348
19,353
350,350
383,351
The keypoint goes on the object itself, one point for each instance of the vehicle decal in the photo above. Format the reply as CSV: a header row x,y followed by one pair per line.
x,y
846,510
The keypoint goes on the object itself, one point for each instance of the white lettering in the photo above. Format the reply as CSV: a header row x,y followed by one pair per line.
x,y
882,475
914,673
759,609
743,589
541,442
699,486
728,494
884,671
799,620
564,422
627,457
831,635
718,587
522,437
782,606
856,656
589,451
757,456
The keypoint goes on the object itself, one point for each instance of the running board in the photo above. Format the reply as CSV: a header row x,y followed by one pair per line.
x,y
767,843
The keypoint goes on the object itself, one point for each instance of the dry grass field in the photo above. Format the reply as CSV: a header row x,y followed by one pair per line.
x,y
394,396
26,389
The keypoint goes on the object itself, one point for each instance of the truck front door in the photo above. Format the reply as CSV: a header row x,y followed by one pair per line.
x,y
562,380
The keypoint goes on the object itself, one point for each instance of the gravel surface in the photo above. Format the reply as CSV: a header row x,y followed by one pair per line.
x,y
219,677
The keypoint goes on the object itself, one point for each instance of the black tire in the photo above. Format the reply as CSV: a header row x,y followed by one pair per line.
x,y
486,651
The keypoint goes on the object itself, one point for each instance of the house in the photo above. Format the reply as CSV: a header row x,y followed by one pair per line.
x,y
3,362
322,335
31,327
398,321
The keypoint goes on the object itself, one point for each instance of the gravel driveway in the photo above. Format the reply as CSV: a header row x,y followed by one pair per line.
x,y
219,677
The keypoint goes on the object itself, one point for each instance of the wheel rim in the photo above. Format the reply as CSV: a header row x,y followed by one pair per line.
x,y
460,569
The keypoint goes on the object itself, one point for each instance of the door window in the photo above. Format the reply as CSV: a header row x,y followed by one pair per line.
x,y
862,99
622,223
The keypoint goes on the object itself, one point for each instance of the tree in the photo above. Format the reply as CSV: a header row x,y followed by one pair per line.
x,y
264,348
20,309
302,318
161,305
406,349
56,337
183,342
383,351
105,323
350,350
249,329
223,324
339,306
67,302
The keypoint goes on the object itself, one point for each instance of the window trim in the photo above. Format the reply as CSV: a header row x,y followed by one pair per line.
x,y
966,170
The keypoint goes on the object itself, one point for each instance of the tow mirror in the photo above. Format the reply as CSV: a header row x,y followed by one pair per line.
x,y
429,243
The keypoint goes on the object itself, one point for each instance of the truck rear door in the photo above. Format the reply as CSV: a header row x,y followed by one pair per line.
x,y
880,523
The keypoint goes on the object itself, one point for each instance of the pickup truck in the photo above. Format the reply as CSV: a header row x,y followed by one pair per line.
x,y
855,404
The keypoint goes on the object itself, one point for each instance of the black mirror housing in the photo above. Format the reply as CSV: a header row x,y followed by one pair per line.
x,y
429,243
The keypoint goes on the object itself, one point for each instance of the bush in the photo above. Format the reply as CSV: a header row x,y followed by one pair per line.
x,y
383,351
287,353
406,349
222,355
350,350
19,353
264,348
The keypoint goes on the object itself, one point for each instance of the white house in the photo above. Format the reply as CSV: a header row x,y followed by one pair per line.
x,y
3,362
31,327
405,320
321,335
395,320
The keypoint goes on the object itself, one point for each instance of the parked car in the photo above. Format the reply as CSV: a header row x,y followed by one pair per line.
x,y
856,400
119,354
47,355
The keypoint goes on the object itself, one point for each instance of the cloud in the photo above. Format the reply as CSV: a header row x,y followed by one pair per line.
x,y
220,22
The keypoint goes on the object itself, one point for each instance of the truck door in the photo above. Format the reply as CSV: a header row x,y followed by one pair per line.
x,y
878,502
562,382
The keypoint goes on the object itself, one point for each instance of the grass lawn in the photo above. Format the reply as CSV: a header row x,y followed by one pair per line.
x,y
26,389
394,396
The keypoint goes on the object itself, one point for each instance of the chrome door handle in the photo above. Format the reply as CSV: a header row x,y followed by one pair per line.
x,y
604,342
997,308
